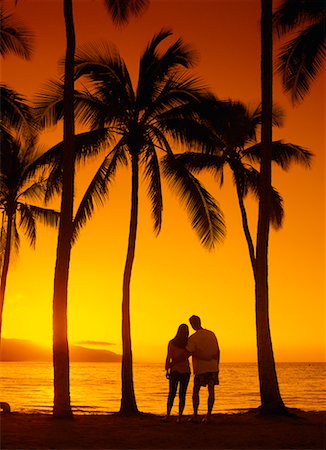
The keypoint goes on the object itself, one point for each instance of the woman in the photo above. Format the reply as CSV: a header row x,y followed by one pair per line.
x,y
178,369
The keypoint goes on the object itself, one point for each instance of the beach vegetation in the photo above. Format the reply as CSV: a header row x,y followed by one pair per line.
x,y
22,181
302,57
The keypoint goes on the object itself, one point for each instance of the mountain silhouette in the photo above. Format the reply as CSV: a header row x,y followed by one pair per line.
x,y
22,350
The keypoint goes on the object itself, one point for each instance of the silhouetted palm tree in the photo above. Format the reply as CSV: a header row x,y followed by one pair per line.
x,y
271,400
15,113
14,37
234,144
301,59
141,119
19,183
120,10
234,130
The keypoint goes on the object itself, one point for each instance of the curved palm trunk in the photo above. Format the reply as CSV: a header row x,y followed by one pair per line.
x,y
128,399
5,268
271,400
61,407
246,230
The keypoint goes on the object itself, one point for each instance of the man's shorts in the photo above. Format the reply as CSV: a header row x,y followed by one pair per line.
x,y
203,379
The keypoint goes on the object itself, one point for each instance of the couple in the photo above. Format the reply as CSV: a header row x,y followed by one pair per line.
x,y
204,349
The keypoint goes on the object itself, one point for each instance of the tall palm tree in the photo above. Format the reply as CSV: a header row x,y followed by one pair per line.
x,y
301,58
271,400
20,184
14,37
141,119
61,404
120,11
234,132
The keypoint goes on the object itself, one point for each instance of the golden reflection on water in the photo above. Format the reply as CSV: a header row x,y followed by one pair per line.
x,y
95,387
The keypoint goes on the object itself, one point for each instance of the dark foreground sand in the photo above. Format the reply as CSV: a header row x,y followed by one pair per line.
x,y
238,431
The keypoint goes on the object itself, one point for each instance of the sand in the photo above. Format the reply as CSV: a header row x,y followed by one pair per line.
x,y
238,431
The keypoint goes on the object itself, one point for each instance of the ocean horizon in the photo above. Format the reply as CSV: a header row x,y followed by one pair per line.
x,y
96,387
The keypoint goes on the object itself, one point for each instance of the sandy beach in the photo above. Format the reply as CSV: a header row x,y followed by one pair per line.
x,y
238,431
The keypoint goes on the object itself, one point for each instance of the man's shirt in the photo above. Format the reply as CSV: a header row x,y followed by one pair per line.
x,y
204,348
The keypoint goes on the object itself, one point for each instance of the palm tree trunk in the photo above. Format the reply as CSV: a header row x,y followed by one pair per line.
x,y
128,399
61,407
5,268
271,400
246,230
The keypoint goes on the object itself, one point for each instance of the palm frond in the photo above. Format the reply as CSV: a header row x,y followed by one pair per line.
x,y
87,145
197,162
30,213
301,60
155,67
15,112
205,215
15,38
49,217
277,210
35,191
122,10
49,103
188,132
106,70
251,181
152,174
98,188
15,239
92,109
179,93
283,154
293,13
3,238
27,222
53,182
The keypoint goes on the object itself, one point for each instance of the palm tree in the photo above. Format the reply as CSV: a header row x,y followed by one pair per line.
x,y
271,400
120,11
14,37
234,131
19,183
301,58
141,119
61,404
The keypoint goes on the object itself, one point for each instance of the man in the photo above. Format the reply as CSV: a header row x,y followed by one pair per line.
x,y
203,347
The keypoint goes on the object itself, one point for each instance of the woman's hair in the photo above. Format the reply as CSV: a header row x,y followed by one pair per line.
x,y
181,338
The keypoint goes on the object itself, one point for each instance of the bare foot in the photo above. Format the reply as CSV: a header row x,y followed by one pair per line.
x,y
194,419
206,419
166,419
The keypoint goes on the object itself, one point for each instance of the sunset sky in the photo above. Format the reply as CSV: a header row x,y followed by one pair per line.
x,y
173,276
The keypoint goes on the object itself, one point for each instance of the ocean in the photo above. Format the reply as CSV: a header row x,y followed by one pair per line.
x,y
96,387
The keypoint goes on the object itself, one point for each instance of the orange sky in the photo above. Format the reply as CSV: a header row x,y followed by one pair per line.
x,y
173,276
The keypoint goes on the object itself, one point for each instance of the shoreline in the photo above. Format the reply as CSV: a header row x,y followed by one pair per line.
x,y
247,430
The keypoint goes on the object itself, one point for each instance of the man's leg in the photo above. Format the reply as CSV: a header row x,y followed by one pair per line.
x,y
195,399
211,399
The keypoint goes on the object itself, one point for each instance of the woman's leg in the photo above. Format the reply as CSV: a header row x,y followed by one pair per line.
x,y
182,392
173,385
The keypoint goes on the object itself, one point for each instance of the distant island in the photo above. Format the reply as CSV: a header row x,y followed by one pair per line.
x,y
22,350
